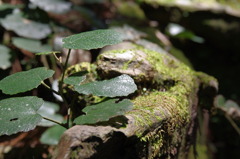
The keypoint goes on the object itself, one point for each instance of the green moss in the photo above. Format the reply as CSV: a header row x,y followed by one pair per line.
x,y
165,107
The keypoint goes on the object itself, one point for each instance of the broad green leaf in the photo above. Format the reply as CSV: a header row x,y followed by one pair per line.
x,y
54,6
76,78
4,57
103,111
25,80
49,109
25,27
19,114
120,86
92,39
52,135
31,45
49,52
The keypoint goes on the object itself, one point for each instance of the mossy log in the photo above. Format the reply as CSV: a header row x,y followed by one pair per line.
x,y
162,121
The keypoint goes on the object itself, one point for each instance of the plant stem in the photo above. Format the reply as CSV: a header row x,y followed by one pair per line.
x,y
54,121
61,86
62,79
64,72
66,63
45,85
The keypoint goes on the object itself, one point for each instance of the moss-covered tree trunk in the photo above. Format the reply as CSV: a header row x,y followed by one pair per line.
x,y
163,121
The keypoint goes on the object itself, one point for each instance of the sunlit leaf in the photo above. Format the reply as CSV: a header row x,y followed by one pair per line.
x,y
103,111
49,109
25,27
19,114
54,6
120,86
92,39
31,45
25,80
52,135
4,57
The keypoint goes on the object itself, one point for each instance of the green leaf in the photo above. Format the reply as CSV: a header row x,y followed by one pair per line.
x,y
25,27
52,135
120,86
103,111
31,45
76,78
24,81
48,52
49,109
92,39
54,6
4,57
19,114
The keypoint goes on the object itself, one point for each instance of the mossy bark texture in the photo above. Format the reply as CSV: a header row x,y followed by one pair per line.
x,y
163,120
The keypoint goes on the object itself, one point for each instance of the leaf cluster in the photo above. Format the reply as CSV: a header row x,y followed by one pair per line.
x,y
25,113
